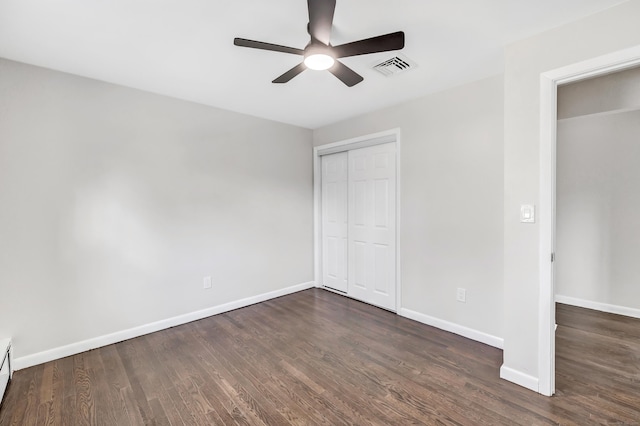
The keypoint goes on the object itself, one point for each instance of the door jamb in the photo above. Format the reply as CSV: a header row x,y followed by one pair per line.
x,y
549,82
387,136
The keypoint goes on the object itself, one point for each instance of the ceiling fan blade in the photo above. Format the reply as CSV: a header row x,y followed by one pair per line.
x,y
383,43
321,19
345,74
266,46
291,73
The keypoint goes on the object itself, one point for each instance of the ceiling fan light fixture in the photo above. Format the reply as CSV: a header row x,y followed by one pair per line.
x,y
319,61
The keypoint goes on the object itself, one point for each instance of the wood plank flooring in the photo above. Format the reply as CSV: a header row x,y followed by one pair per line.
x,y
315,357
598,364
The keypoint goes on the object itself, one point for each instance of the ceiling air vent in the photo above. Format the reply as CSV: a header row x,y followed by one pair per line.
x,y
395,65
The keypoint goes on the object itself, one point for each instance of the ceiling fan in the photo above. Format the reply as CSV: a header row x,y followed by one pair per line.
x,y
319,54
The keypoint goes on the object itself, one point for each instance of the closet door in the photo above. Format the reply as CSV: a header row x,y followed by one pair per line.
x,y
334,221
372,225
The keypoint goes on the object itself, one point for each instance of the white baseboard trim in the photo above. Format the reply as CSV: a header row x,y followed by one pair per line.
x,y
519,378
467,332
598,306
119,336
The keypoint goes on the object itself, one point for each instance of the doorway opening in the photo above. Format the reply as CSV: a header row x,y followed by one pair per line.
x,y
549,83
597,196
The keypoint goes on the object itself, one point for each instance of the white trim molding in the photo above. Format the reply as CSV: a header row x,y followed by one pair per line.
x,y
119,336
599,306
365,141
469,333
519,378
546,312
549,81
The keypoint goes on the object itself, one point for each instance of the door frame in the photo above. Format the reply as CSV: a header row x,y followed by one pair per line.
x,y
549,82
387,136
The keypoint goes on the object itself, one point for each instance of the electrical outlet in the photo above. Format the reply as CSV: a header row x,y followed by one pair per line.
x,y
461,295
207,282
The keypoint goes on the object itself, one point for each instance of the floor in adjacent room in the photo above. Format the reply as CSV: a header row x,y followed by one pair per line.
x,y
315,357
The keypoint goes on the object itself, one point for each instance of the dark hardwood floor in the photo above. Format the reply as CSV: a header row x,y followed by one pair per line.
x,y
315,357
598,364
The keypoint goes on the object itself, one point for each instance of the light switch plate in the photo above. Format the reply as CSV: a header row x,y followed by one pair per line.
x,y
527,213
207,282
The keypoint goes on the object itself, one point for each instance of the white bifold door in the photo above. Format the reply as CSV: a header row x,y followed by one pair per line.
x,y
359,223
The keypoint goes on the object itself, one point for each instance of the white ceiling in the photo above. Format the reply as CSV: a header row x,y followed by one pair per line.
x,y
184,48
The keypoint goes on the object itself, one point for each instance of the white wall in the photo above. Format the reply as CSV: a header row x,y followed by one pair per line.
x,y
611,92
115,203
598,200
611,30
451,195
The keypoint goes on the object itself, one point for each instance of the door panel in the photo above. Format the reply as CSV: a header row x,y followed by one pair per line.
x,y
359,267
381,203
334,221
360,205
371,231
381,278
